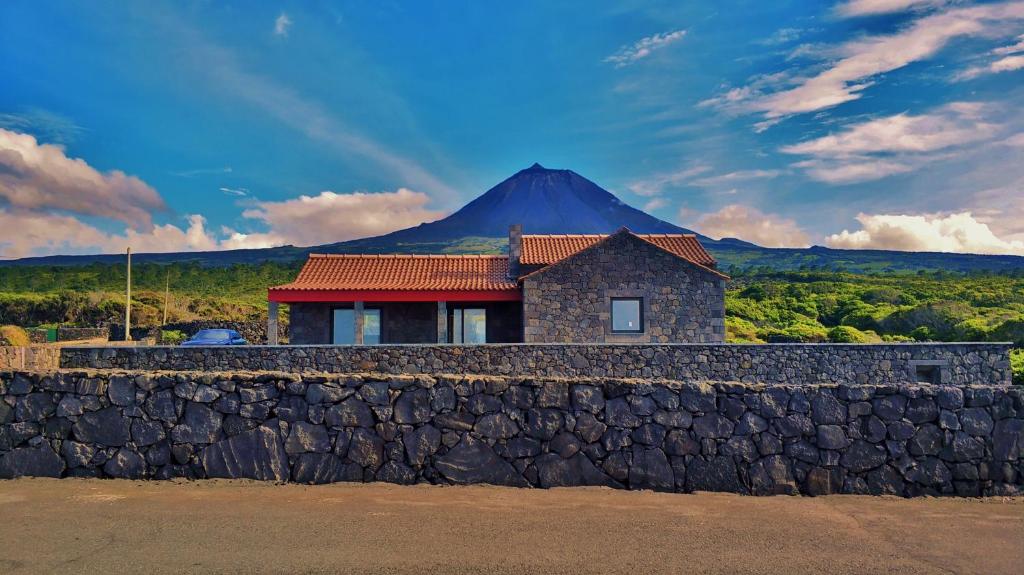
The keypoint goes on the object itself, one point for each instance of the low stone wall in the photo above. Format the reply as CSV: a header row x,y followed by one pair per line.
x,y
254,332
899,439
77,333
791,364
31,358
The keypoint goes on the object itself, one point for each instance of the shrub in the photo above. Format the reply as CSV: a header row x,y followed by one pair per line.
x,y
171,337
14,335
848,334
1017,365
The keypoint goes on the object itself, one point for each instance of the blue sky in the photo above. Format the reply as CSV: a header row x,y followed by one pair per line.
x,y
206,125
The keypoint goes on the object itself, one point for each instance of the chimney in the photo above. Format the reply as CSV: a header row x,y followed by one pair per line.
x,y
515,249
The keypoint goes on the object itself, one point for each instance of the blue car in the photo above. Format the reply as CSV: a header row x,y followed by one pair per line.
x,y
216,337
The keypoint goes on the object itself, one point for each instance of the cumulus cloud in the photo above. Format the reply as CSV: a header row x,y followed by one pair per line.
x,y
748,223
307,220
332,217
43,233
896,144
854,8
858,62
632,53
35,176
960,232
281,25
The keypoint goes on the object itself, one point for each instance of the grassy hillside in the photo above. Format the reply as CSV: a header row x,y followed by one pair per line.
x,y
761,305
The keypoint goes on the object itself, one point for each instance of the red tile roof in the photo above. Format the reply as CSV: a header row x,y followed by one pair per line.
x,y
402,272
548,249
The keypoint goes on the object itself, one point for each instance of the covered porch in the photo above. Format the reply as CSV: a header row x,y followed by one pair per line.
x,y
399,317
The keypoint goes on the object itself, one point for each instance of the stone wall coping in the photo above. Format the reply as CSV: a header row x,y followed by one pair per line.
x,y
1007,344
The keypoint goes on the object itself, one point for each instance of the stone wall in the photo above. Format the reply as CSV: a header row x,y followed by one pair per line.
x,y
570,301
794,364
67,333
254,331
31,357
897,439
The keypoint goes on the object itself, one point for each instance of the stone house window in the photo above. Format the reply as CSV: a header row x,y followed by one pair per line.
x,y
627,315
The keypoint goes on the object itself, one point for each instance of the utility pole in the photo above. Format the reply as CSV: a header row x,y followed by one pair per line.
x,y
167,295
128,301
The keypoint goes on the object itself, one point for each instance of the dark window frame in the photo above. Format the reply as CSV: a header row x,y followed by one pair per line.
x,y
640,309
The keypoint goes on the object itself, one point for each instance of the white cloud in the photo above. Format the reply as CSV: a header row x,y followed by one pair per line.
x,y
960,232
1012,48
1005,64
332,217
643,48
854,8
859,61
281,25
656,184
852,170
307,220
781,36
36,176
44,233
655,204
739,176
235,191
895,144
750,224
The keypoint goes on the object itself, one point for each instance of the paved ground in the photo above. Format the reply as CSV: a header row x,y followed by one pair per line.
x,y
87,526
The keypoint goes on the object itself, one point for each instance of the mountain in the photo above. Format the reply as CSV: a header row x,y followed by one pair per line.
x,y
548,201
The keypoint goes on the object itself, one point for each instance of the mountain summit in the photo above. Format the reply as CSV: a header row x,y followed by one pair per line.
x,y
545,201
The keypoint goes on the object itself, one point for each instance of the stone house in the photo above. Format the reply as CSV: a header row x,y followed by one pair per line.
x,y
617,288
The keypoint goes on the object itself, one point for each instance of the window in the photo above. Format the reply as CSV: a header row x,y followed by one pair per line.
x,y
343,326
371,327
469,325
627,315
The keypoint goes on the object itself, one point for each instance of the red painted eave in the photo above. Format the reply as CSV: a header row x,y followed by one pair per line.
x,y
326,296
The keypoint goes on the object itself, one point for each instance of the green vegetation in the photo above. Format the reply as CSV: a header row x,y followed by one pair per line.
x,y
812,306
171,337
761,305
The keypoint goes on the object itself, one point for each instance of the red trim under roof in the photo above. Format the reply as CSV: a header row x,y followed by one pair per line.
x,y
323,296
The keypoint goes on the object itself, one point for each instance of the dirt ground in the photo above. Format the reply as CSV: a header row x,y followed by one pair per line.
x,y
88,526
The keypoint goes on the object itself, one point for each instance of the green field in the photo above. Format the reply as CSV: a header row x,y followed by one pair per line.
x,y
761,305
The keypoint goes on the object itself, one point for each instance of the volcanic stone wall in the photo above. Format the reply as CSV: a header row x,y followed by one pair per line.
x,y
792,364
570,301
899,439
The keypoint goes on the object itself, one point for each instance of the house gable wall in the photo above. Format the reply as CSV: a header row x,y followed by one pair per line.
x,y
570,301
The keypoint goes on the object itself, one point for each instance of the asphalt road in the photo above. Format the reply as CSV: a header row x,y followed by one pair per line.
x,y
91,526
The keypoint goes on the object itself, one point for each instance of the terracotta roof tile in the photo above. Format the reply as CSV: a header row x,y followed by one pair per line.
x,y
548,249
402,272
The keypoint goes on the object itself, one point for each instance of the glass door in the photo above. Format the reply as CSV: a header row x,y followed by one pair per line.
x,y
371,327
469,325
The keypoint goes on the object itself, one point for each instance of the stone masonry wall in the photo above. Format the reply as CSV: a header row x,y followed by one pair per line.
x,y
35,357
792,364
570,301
900,439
